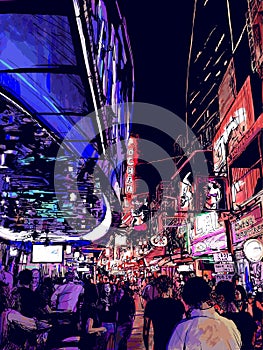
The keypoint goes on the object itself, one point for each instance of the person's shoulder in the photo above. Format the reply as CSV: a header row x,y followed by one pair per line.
x,y
229,318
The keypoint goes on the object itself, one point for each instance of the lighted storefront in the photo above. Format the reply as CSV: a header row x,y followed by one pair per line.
x,y
207,238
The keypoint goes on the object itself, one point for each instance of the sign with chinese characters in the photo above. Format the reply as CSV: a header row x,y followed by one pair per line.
x,y
131,164
208,236
224,267
244,182
245,140
219,257
247,226
236,123
128,215
224,277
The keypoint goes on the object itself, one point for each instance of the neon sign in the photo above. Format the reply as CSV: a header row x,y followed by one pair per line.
x,y
237,122
130,172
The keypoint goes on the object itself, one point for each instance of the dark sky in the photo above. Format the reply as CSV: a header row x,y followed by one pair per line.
x,y
159,33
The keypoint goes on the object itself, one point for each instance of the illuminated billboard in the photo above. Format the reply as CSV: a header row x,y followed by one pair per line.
x,y
206,224
209,235
237,122
211,193
247,226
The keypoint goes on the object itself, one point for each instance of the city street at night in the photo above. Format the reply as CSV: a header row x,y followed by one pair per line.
x,y
131,175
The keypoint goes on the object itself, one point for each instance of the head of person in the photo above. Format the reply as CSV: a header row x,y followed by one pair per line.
x,y
119,285
88,280
25,277
196,291
69,276
250,298
164,284
106,280
236,279
128,291
225,291
240,293
111,279
35,278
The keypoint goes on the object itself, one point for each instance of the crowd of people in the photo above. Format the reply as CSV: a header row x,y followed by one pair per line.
x,y
202,315
46,314
50,314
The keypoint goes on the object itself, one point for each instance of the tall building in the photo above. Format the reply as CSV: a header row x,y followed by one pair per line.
x,y
219,34
224,110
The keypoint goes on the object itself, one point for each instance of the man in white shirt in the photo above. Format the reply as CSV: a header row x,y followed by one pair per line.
x,y
65,301
205,329
66,297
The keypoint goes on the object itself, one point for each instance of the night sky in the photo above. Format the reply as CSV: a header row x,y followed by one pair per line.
x,y
160,35
160,38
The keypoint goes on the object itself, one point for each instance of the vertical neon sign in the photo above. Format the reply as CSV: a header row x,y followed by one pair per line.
x,y
130,186
129,183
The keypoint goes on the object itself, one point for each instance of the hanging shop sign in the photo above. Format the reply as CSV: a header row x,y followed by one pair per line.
x,y
224,267
253,250
131,164
132,216
211,193
227,90
236,123
220,257
208,236
186,193
224,277
246,139
210,245
158,240
247,226
206,224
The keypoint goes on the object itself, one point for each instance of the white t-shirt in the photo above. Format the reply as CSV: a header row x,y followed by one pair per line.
x,y
205,330
66,296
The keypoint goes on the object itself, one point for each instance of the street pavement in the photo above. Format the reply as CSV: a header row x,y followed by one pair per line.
x,y
136,340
